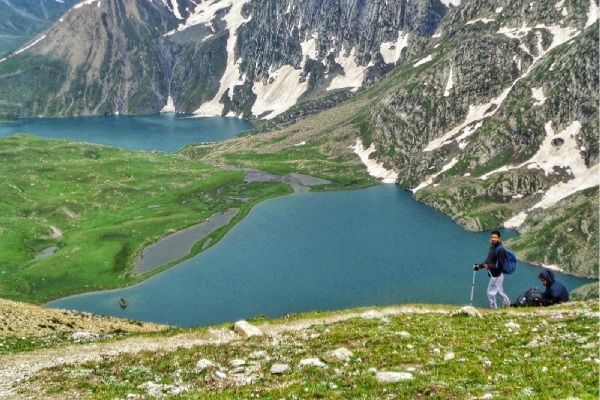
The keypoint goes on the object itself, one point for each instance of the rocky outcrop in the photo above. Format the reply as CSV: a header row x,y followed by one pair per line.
x,y
99,58
253,58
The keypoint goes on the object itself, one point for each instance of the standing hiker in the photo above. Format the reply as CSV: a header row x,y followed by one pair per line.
x,y
493,264
555,292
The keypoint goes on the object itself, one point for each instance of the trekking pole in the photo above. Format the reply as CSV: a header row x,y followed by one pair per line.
x,y
473,287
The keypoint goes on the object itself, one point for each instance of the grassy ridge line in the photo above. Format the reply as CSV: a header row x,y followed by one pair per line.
x,y
541,353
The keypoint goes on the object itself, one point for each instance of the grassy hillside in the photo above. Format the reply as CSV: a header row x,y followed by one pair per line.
x,y
428,352
94,208
97,207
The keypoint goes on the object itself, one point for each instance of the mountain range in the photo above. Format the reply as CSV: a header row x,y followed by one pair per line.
x,y
486,110
24,19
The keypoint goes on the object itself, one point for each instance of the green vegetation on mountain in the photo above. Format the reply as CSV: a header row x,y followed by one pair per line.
x,y
24,19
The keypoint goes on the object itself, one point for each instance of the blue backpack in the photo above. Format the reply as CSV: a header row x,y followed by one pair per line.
x,y
511,261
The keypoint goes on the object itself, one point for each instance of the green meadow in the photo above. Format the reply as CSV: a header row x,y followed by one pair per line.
x,y
98,206
94,208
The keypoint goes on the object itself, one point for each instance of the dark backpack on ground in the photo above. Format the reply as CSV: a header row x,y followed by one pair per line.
x,y
511,261
532,297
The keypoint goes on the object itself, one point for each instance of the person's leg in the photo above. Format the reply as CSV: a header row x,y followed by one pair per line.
x,y
491,293
500,288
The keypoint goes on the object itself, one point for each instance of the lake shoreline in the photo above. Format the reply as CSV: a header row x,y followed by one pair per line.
x,y
170,249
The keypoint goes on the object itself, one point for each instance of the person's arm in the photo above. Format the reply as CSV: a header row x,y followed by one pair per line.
x,y
547,299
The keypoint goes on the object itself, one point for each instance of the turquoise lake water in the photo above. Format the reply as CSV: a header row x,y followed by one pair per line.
x,y
302,252
164,132
319,251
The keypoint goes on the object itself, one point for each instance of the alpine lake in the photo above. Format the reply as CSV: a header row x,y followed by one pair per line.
x,y
301,252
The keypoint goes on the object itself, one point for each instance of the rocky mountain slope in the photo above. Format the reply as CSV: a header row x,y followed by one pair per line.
x,y
220,57
24,19
499,127
486,110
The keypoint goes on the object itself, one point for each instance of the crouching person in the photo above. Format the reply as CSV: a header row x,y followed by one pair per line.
x,y
555,292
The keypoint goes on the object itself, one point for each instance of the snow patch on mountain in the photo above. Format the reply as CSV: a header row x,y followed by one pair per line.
x,y
374,168
205,13
449,84
169,107
477,113
429,181
391,51
448,3
279,95
423,61
593,13
484,20
558,151
173,6
86,2
353,76
538,95
481,111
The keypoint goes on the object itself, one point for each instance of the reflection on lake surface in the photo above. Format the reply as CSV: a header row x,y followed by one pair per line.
x,y
319,251
163,132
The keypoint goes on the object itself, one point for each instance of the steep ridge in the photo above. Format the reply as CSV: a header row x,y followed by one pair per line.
x,y
248,58
99,58
23,19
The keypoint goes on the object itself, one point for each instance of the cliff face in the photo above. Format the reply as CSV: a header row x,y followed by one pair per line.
x,y
220,57
100,57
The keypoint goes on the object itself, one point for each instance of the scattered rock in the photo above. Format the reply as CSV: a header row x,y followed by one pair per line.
x,y
314,362
512,325
341,354
159,390
237,363
278,369
391,377
469,310
220,375
247,330
205,364
83,336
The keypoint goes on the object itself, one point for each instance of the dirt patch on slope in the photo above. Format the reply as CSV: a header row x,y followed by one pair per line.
x,y
22,319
